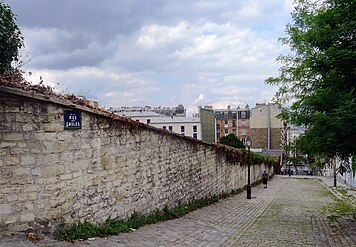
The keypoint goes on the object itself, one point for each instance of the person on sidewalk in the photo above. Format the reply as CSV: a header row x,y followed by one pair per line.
x,y
264,179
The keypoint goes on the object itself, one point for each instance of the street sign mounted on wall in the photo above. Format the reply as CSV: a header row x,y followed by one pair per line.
x,y
72,119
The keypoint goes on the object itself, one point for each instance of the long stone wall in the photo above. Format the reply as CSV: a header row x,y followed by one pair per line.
x,y
110,167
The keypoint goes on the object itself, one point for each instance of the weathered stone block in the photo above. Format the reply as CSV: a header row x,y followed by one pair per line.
x,y
27,217
13,137
41,136
53,146
66,177
7,144
30,206
11,198
22,171
51,127
32,188
53,170
36,171
12,218
5,209
27,127
12,109
56,202
28,160
53,213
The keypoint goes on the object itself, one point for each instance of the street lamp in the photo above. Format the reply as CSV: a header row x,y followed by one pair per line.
x,y
248,143
335,173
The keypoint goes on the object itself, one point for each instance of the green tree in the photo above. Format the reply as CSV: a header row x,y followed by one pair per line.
x,y
231,140
319,75
11,39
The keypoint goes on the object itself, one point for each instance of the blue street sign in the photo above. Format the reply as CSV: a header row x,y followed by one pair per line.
x,y
72,120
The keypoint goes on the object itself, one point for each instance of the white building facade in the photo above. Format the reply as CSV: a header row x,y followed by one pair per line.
x,y
185,126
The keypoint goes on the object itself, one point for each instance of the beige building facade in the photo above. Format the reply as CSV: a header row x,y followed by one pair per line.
x,y
265,127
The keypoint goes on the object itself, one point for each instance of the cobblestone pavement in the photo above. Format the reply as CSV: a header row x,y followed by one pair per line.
x,y
290,212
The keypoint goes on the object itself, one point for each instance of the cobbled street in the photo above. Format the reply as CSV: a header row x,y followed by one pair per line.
x,y
290,212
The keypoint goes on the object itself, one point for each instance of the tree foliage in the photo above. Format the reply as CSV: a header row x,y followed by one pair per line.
x,y
231,140
11,39
319,75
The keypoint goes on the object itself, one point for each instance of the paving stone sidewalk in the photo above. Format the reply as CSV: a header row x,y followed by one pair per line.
x,y
290,212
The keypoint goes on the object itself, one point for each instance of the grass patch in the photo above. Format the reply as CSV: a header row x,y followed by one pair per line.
x,y
328,194
258,182
344,208
115,226
332,217
341,208
342,191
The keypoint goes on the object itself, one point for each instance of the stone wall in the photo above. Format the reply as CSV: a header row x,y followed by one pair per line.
x,y
108,168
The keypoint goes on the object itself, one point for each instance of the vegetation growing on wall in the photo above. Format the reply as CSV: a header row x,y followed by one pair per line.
x,y
232,140
115,226
235,155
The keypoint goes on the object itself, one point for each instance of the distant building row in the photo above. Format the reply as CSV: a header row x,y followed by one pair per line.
x,y
260,123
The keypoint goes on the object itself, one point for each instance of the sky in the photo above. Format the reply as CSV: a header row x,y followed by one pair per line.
x,y
155,52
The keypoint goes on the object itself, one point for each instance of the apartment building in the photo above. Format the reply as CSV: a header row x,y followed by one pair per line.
x,y
225,122
243,126
233,121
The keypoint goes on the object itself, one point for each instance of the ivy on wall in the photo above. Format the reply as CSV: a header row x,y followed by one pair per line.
x,y
235,155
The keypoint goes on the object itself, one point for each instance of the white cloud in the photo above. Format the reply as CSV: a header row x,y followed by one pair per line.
x,y
199,99
157,52
115,88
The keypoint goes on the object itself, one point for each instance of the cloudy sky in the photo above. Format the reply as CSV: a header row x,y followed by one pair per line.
x,y
155,52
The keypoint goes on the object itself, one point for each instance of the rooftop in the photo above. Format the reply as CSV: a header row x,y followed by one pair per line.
x,y
140,114
176,120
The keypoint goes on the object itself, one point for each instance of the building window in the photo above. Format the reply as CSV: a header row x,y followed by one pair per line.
x,y
195,128
218,126
243,123
218,136
226,131
234,114
243,131
182,129
195,135
243,114
164,127
233,123
148,121
170,128
225,115
226,122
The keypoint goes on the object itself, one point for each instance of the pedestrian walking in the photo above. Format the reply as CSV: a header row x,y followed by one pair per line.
x,y
264,179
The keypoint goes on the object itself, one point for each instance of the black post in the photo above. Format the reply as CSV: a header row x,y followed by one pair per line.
x,y
334,173
248,175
